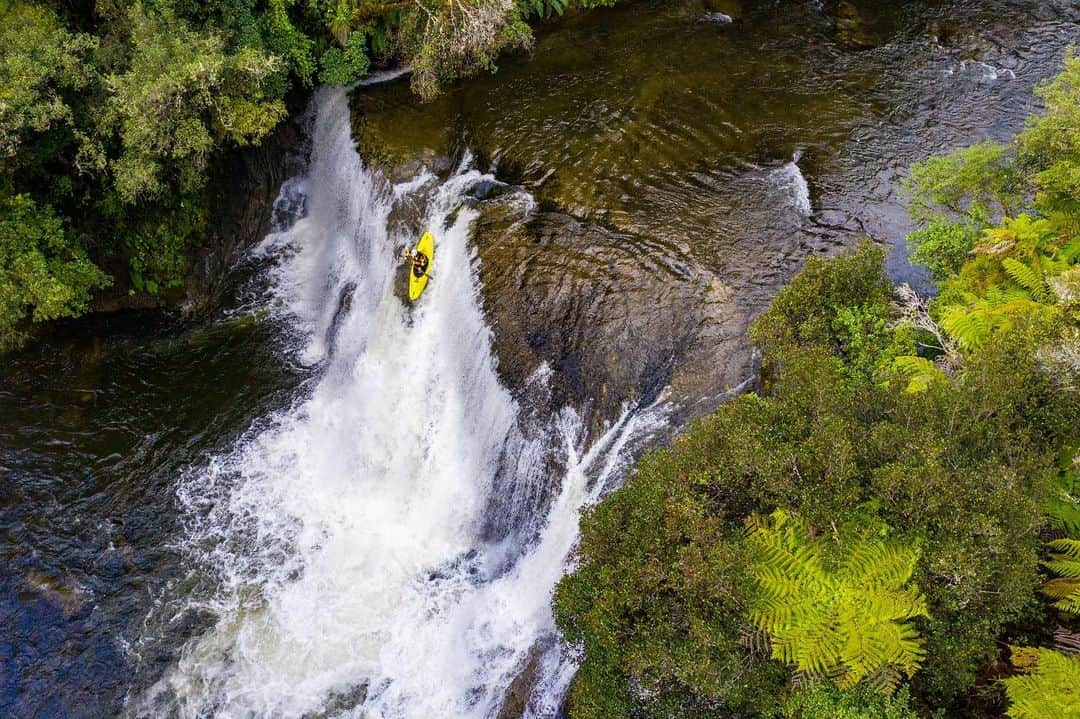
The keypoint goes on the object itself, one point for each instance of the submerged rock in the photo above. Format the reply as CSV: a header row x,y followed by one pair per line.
x,y
861,24
717,17
731,9
517,694
65,595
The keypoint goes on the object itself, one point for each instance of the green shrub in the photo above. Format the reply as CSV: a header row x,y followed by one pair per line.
x,y
44,273
655,603
943,246
823,701
343,67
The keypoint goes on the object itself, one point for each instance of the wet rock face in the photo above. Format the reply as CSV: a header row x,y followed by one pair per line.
x,y
616,319
61,592
517,694
247,183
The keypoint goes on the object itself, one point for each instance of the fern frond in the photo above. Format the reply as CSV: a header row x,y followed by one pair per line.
x,y
1068,548
1060,588
1070,253
919,372
970,329
1065,563
1063,505
848,620
1030,278
999,296
1066,592
1051,691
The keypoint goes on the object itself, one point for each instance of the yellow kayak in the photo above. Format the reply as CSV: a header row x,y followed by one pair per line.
x,y
419,272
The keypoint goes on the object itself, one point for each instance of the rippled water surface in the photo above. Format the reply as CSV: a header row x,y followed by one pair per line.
x,y
659,120
683,164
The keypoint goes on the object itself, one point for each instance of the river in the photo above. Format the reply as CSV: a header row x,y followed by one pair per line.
x,y
322,502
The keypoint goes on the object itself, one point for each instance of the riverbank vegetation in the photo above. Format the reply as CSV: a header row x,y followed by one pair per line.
x,y
889,527
115,114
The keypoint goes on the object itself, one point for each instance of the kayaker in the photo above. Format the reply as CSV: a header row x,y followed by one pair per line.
x,y
418,260
420,264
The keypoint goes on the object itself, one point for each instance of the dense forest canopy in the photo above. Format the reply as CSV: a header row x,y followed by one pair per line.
x,y
112,115
920,460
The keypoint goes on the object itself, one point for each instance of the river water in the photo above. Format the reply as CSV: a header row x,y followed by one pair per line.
x,y
325,503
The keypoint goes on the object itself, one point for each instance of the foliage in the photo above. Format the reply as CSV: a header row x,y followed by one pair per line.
x,y
1050,691
41,62
1049,149
824,701
41,267
656,602
114,114
964,468
996,274
845,616
1063,505
1065,562
182,94
460,38
943,245
919,372
841,304
342,67
972,183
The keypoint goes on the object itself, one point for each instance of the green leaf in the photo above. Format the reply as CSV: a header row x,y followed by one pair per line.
x,y
919,372
850,620
1027,277
1052,691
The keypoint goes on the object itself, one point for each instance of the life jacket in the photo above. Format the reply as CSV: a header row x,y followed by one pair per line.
x,y
420,264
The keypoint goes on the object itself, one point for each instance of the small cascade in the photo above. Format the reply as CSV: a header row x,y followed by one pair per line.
x,y
790,182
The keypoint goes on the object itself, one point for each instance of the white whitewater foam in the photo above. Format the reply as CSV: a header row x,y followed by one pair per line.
x,y
346,534
790,181
984,71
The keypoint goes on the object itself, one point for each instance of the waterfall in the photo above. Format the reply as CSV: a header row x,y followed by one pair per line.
x,y
349,540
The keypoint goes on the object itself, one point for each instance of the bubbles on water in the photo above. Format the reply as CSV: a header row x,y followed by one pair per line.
x,y
981,71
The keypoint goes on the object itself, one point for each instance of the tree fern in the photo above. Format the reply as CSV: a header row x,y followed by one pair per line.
x,y
998,297
1063,505
1070,252
1028,277
969,329
1050,691
1065,562
848,620
972,324
918,371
